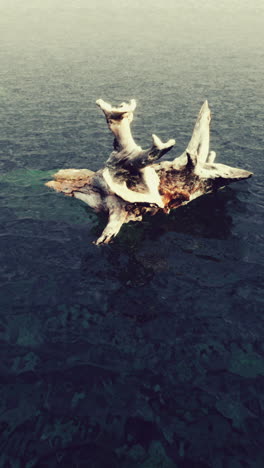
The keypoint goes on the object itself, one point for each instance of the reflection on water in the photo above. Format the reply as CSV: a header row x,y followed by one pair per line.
x,y
147,352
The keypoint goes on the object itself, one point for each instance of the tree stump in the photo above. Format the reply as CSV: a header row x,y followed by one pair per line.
x,y
133,182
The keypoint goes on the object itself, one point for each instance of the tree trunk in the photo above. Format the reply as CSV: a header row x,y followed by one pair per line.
x,y
133,183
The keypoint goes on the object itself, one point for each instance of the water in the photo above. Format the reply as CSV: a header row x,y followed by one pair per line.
x,y
148,352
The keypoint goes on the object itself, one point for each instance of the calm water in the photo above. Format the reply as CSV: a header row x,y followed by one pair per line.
x,y
148,352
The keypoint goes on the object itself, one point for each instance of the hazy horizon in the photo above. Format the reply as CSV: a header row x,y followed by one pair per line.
x,y
207,22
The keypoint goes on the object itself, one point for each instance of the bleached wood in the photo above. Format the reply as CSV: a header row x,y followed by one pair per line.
x,y
130,157
133,183
119,120
117,217
200,140
149,180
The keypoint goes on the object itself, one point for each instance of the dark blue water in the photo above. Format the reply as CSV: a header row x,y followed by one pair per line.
x,y
148,352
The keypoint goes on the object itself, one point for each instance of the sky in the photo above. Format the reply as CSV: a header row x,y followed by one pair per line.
x,y
245,15
224,5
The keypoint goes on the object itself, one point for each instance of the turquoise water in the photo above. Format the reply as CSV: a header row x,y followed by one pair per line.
x,y
147,352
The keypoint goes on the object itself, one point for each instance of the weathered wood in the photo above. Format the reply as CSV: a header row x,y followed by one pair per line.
x,y
132,183
129,162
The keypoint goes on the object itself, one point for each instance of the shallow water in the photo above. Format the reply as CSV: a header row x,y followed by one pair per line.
x,y
148,352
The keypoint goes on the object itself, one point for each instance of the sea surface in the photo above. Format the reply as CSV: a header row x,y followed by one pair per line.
x,y
149,352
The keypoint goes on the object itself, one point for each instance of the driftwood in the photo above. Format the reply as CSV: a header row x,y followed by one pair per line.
x,y
132,183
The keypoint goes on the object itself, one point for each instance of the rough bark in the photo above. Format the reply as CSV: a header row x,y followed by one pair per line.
x,y
133,183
